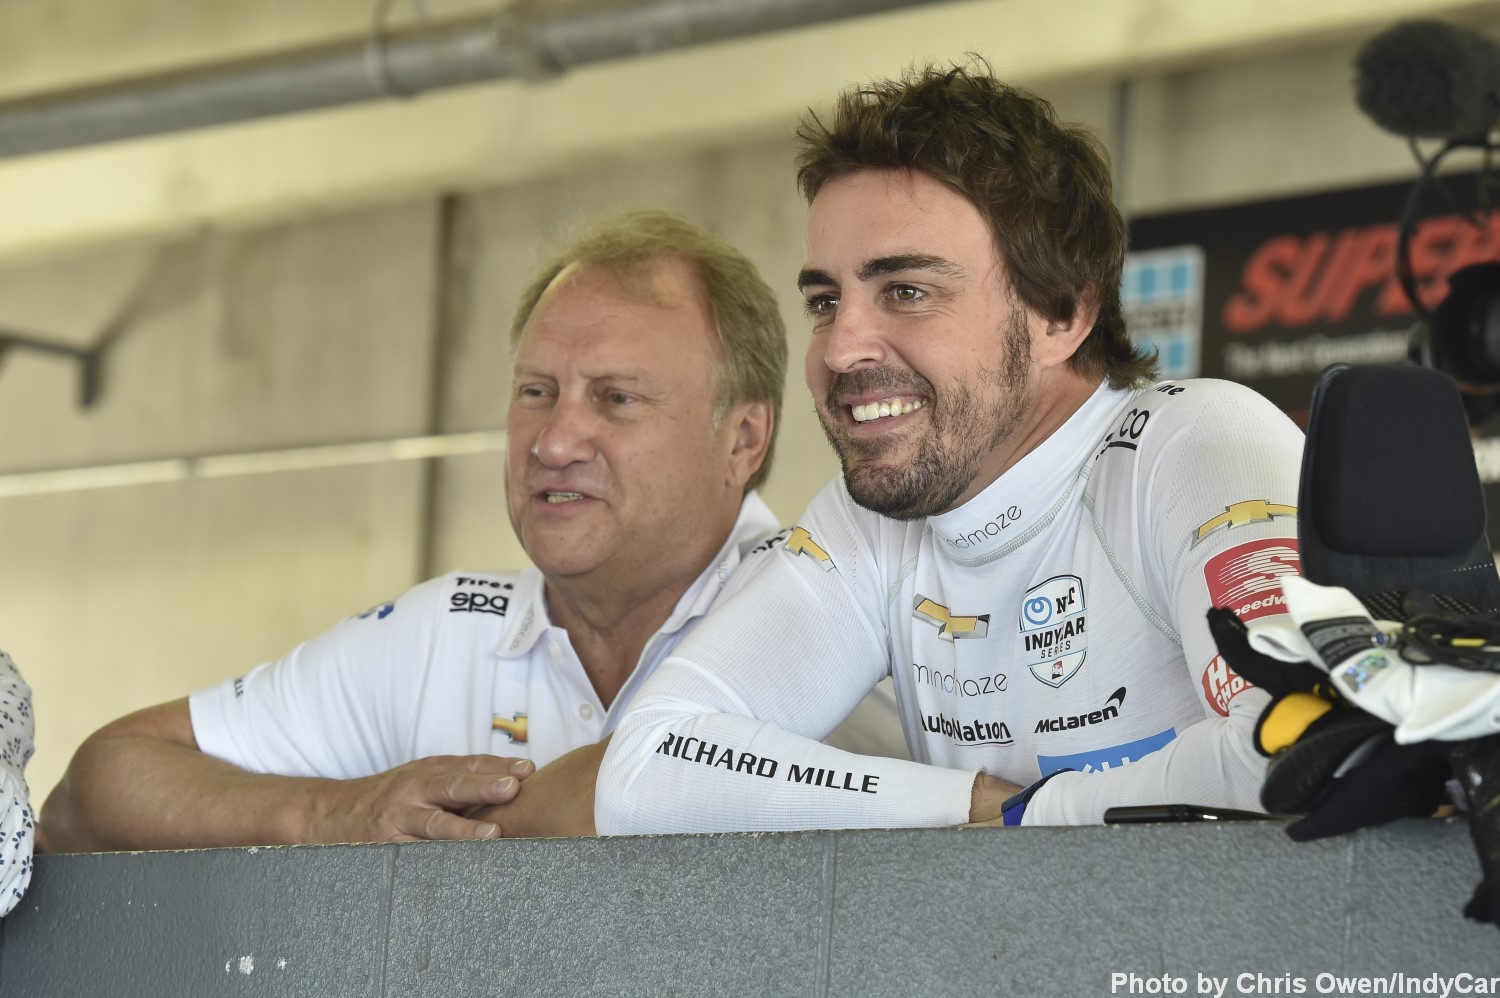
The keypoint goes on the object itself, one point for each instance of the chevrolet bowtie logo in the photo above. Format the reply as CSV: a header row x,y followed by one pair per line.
x,y
1241,513
950,627
515,726
801,542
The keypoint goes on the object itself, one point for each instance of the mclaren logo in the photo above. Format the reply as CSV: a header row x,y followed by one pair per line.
x,y
1241,513
514,726
950,627
1067,722
801,542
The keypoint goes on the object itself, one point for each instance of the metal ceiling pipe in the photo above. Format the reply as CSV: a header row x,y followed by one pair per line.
x,y
532,39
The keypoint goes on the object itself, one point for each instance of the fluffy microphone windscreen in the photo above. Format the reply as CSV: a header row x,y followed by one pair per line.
x,y
1429,80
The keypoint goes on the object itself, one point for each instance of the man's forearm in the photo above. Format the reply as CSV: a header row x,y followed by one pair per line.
x,y
989,793
137,792
723,772
558,799
1211,763
142,783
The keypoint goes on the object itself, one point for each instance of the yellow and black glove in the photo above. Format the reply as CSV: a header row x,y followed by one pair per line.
x,y
1332,764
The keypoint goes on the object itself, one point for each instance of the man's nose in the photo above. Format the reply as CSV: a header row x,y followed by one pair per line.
x,y
568,436
853,339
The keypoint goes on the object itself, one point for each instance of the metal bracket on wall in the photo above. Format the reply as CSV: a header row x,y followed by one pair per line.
x,y
90,359
155,284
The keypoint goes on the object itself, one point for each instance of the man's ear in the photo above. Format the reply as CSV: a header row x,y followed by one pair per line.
x,y
1061,338
747,428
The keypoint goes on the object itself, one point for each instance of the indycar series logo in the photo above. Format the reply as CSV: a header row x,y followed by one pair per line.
x,y
1052,625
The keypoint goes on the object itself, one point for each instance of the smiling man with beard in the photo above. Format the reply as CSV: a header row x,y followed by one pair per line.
x,y
1027,532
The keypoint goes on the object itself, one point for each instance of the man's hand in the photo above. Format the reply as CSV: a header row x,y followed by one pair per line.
x,y
424,799
142,783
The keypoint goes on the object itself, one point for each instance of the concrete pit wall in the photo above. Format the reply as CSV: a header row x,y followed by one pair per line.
x,y
871,913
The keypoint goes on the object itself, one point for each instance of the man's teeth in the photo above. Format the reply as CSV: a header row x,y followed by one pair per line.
x,y
563,496
890,407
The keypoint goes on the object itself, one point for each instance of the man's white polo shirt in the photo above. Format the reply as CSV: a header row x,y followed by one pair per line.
x,y
465,663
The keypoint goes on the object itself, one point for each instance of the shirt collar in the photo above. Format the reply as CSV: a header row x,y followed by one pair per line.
x,y
754,522
1026,494
752,525
530,600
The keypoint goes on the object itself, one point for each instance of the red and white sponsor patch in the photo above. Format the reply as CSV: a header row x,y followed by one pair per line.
x,y
1247,578
1222,684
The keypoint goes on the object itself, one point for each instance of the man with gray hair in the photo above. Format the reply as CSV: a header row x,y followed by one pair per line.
x,y
649,359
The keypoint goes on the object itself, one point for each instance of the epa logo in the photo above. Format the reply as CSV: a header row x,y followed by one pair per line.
x,y
467,602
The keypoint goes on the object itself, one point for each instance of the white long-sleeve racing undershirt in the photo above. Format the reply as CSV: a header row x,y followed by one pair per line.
x,y
1055,622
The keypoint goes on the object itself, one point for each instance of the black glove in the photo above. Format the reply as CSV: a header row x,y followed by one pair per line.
x,y
1383,781
1476,763
1337,766
1276,677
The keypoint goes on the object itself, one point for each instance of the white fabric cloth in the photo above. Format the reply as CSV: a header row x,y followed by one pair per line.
x,y
17,821
1055,621
464,663
1424,701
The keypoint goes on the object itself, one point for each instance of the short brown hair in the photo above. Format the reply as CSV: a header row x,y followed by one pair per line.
x,y
752,337
1043,187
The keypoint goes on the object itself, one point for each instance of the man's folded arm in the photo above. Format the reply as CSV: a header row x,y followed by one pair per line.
x,y
723,737
142,783
675,769
1211,763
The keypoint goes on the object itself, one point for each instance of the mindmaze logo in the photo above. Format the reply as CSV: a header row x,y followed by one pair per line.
x,y
949,682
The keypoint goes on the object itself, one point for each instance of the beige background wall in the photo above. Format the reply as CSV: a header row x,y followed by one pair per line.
x,y
348,276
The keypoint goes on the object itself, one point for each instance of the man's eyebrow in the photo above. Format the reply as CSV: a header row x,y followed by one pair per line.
x,y
901,263
906,262
809,277
627,375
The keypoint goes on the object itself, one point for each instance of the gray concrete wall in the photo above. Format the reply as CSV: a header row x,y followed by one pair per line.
x,y
946,912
